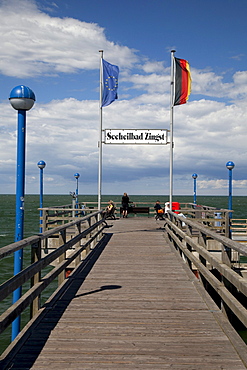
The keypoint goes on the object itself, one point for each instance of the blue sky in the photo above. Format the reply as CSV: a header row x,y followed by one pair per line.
x,y
53,47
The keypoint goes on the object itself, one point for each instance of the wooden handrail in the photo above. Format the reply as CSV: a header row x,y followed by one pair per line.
x,y
89,235
191,239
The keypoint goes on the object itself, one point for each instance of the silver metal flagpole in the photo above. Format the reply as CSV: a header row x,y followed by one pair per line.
x,y
100,131
171,128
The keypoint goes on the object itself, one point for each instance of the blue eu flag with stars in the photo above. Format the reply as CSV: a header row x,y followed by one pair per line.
x,y
110,83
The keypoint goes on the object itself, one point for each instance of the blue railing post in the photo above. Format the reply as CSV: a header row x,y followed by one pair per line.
x,y
19,209
22,99
194,177
230,165
76,176
41,165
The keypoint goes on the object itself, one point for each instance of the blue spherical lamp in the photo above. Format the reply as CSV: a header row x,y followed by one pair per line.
x,y
22,98
230,165
41,164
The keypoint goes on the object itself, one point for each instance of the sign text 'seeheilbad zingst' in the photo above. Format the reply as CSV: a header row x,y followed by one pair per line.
x,y
131,136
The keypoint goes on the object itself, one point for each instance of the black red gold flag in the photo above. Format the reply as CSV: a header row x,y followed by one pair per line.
x,y
182,81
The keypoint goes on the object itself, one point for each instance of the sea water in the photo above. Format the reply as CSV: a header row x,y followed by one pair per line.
x,y
31,217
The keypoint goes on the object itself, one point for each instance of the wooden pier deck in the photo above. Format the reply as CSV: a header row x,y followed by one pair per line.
x,y
135,305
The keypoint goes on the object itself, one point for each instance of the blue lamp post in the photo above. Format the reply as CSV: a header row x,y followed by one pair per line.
x,y
194,177
76,176
22,99
41,165
230,165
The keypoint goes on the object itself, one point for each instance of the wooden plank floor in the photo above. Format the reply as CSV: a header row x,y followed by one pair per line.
x,y
138,308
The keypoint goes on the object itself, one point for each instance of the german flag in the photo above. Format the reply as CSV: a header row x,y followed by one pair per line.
x,y
182,81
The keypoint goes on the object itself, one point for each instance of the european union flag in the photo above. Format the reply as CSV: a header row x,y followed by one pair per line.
x,y
110,82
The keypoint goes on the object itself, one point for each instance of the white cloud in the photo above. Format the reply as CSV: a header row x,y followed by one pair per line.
x,y
33,43
153,67
221,184
209,84
152,83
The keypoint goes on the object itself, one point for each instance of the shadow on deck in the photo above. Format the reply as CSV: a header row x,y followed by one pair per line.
x,y
42,329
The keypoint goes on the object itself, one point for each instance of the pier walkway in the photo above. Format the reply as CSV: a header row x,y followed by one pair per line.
x,y
134,305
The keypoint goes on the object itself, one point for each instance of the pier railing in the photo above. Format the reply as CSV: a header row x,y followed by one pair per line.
x,y
239,227
70,250
216,219
215,259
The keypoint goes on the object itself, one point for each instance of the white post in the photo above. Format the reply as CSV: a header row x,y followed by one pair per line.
x,y
100,131
171,128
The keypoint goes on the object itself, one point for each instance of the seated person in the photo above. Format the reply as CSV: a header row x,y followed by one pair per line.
x,y
159,210
109,209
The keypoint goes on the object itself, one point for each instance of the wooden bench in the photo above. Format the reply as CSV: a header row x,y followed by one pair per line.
x,y
136,210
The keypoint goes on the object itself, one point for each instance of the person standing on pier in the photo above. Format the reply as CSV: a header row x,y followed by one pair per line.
x,y
125,204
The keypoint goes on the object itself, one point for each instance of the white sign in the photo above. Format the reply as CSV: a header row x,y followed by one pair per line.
x,y
130,136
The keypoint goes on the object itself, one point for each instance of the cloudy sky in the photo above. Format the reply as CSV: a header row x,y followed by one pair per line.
x,y
53,47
